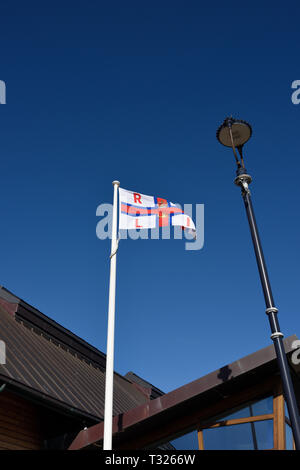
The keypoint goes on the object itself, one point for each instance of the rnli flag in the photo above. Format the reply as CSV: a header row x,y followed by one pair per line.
x,y
138,211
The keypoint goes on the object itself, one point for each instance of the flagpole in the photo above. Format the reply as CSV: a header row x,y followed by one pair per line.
x,y
109,375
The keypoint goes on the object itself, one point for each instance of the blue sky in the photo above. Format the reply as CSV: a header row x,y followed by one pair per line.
x,y
134,91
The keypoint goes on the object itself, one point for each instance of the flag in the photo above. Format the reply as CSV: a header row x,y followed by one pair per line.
x,y
136,211
139,211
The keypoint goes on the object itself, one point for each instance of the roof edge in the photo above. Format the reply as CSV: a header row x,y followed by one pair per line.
x,y
182,394
41,323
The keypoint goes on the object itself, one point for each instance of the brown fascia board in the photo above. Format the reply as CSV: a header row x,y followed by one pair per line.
x,y
43,400
172,400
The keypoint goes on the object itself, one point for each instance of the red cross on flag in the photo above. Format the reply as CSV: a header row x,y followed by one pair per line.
x,y
138,211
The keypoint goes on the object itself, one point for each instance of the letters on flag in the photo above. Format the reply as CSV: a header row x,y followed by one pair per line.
x,y
138,211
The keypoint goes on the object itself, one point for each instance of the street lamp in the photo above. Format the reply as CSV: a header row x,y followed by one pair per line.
x,y
235,133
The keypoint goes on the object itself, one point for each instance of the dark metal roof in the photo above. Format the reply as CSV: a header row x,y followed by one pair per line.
x,y
195,395
152,391
42,324
54,365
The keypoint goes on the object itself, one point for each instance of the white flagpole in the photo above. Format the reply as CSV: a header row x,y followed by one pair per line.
x,y
109,376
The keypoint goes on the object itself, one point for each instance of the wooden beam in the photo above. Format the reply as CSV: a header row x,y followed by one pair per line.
x,y
195,418
279,419
200,440
232,422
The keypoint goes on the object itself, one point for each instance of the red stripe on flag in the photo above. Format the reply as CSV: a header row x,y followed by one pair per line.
x,y
132,210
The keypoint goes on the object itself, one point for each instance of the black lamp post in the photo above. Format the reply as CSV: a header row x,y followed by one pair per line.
x,y
235,133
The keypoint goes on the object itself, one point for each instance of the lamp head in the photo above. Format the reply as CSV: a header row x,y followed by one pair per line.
x,y
241,132
235,133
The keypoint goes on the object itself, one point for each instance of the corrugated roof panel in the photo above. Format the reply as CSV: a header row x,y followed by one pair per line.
x,y
41,365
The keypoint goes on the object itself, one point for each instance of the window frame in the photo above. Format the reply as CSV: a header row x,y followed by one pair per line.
x,y
278,417
204,417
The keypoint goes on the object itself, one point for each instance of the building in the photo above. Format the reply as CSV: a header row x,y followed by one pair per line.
x,y
52,384
52,396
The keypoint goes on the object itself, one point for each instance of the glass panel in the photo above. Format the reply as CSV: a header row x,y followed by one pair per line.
x,y
247,436
260,407
244,412
263,431
187,442
263,407
286,410
289,438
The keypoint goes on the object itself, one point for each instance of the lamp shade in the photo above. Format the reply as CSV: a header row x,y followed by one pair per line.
x,y
241,132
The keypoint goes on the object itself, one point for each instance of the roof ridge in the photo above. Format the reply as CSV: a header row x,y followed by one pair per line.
x,y
34,318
